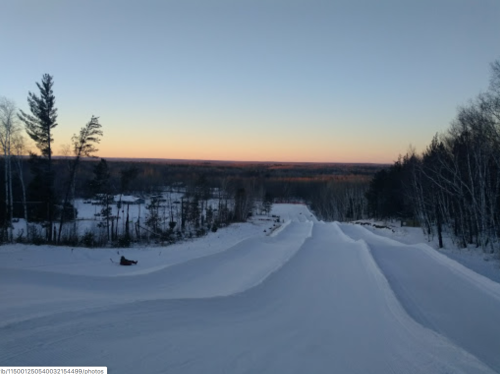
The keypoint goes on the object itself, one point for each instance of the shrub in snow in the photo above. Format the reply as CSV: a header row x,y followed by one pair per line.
x,y
36,235
89,240
123,241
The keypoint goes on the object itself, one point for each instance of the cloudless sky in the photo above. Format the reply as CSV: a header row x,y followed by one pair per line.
x,y
275,80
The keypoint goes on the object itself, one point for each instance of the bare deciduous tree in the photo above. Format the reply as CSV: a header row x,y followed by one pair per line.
x,y
8,129
20,150
83,146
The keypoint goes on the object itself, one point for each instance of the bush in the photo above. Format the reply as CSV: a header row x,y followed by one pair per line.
x,y
20,237
36,235
124,241
89,240
70,239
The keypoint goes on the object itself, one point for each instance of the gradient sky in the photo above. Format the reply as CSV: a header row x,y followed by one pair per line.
x,y
263,80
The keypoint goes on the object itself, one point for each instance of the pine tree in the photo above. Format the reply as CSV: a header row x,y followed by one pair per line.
x,y
39,125
42,120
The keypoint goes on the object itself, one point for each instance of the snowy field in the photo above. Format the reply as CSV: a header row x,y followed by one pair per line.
x,y
300,297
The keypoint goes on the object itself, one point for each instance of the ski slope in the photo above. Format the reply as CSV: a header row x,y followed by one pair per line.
x,y
310,297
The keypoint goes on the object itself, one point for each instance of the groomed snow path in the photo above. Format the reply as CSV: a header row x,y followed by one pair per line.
x,y
309,299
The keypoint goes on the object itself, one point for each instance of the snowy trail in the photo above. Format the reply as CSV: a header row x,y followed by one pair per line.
x,y
327,309
440,293
234,270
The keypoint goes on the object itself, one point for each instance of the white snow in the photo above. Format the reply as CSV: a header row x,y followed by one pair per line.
x,y
440,293
486,264
303,296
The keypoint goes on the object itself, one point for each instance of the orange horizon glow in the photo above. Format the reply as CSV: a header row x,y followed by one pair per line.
x,y
245,142
294,151
245,156
250,147
234,159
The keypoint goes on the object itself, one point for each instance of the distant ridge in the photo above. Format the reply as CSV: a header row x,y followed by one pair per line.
x,y
227,162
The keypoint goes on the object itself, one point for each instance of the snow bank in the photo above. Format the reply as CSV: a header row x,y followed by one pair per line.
x,y
439,293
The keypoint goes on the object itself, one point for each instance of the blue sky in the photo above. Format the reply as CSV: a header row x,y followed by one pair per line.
x,y
333,81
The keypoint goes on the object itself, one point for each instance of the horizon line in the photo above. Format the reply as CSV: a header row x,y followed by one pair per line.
x,y
221,161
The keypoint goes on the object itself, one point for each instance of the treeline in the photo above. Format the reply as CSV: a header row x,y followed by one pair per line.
x,y
155,175
342,198
39,199
173,209
170,213
454,185
187,203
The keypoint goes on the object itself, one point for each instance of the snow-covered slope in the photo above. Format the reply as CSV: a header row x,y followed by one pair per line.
x,y
306,298
46,279
440,293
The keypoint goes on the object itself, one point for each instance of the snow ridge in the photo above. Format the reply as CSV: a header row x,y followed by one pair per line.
x,y
442,346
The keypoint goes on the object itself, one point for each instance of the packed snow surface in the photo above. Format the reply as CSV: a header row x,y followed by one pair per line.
x,y
439,293
261,297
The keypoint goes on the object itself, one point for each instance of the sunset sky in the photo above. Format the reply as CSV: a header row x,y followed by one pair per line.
x,y
255,80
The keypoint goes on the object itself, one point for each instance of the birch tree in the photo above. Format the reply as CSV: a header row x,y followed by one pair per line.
x,y
20,150
8,129
456,184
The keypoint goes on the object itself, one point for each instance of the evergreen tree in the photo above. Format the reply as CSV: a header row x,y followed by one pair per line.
x,y
39,125
268,202
42,120
39,192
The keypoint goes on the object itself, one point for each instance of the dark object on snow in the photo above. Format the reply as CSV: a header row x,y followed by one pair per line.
x,y
125,262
